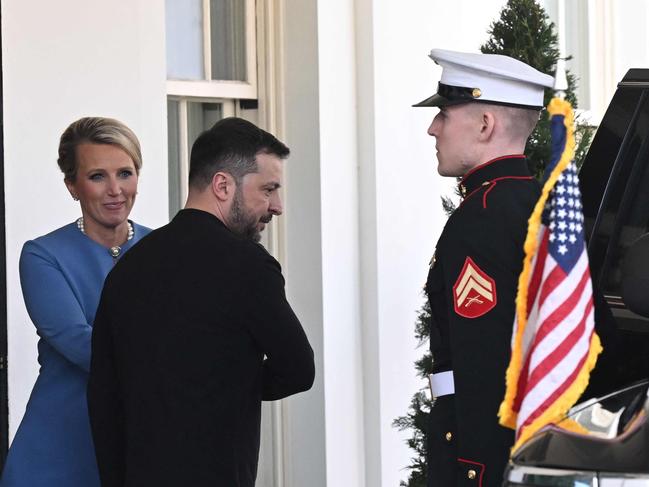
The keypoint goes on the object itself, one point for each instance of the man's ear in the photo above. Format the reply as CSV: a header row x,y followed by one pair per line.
x,y
223,186
487,125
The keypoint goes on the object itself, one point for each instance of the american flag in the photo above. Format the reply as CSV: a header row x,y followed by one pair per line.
x,y
554,345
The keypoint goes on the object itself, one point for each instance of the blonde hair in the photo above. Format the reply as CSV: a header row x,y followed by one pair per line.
x,y
96,130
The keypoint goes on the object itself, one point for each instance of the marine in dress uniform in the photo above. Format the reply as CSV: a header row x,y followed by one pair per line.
x,y
474,273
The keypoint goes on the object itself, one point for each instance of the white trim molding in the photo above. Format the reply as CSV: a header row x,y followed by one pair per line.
x,y
212,89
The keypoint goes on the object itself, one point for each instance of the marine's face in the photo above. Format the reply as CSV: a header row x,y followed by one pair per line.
x,y
453,128
106,185
257,198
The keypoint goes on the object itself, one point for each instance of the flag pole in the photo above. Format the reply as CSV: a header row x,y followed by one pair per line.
x,y
560,79
548,265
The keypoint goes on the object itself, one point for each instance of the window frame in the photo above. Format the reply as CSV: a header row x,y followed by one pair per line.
x,y
230,108
208,88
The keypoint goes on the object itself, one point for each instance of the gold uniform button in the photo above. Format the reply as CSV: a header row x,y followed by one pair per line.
x,y
449,436
471,474
476,93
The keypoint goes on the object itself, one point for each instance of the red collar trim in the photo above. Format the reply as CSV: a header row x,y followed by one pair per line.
x,y
491,184
484,164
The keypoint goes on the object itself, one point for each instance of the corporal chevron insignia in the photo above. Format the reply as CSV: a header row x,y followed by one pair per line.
x,y
474,292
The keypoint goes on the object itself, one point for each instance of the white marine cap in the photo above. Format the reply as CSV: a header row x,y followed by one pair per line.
x,y
488,78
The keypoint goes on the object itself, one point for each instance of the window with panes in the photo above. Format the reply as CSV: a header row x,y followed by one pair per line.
x,y
211,74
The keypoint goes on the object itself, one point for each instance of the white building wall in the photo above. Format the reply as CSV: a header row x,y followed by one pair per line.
x,y
304,426
363,214
63,60
605,38
631,45
339,188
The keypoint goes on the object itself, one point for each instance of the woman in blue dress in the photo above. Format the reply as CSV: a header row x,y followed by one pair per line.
x,y
62,274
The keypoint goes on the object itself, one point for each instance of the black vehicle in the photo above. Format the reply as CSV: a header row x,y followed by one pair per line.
x,y
604,442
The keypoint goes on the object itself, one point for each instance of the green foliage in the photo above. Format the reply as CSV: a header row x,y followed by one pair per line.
x,y
420,405
416,421
523,32
448,205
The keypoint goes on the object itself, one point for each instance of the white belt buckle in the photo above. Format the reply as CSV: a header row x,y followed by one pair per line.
x,y
441,384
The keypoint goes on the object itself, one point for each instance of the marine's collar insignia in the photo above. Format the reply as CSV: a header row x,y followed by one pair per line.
x,y
474,292
511,166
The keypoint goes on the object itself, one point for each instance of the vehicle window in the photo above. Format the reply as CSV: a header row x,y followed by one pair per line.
x,y
609,416
620,148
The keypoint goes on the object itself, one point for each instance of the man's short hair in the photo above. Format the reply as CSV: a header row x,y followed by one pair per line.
x,y
519,122
522,121
230,146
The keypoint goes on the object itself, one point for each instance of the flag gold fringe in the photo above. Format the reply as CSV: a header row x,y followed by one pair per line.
x,y
567,399
506,413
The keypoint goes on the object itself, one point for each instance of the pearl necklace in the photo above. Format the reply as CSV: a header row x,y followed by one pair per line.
x,y
115,250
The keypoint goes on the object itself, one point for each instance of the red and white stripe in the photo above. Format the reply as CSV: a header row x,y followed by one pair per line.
x,y
557,337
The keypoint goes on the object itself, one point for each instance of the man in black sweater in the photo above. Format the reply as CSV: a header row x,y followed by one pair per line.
x,y
194,330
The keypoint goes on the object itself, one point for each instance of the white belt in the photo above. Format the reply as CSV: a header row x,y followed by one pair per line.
x,y
441,384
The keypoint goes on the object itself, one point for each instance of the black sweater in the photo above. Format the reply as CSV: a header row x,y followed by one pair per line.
x,y
193,331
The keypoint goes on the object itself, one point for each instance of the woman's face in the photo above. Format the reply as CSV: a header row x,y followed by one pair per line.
x,y
106,184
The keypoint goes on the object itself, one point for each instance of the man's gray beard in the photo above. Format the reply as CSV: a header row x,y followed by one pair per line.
x,y
240,220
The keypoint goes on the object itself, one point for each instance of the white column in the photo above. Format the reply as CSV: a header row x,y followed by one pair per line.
x,y
363,214
304,417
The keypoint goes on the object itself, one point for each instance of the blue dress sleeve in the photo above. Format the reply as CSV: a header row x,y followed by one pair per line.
x,y
53,306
